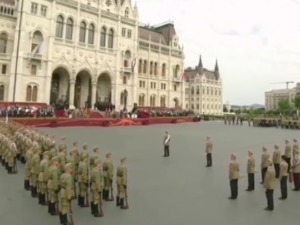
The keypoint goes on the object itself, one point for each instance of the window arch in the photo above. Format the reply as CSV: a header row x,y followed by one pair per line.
x,y
59,26
176,71
82,32
31,93
141,100
2,92
69,29
37,41
122,98
151,68
3,42
152,100
140,66
163,70
163,101
103,37
145,66
110,41
127,12
91,34
155,68
125,64
192,91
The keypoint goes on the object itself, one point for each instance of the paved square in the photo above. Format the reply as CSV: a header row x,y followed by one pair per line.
x,y
168,191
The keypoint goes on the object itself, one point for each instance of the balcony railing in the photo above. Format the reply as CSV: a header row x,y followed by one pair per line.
x,y
36,56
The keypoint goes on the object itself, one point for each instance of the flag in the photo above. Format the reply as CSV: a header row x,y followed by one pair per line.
x,y
182,77
133,64
37,49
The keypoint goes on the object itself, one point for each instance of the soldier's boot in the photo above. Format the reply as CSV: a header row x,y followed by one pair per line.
x,y
49,207
61,219
92,208
118,201
122,206
34,192
104,195
65,219
53,209
43,199
78,199
96,208
40,198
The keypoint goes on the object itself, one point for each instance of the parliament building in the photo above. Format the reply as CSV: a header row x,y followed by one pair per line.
x,y
87,51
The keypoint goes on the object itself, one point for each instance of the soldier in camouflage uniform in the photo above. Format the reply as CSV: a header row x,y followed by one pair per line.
x,y
97,187
34,171
95,156
28,158
12,158
66,194
43,178
122,184
108,170
53,185
83,179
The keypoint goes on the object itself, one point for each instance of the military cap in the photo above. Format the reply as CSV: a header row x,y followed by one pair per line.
x,y
95,148
250,152
85,146
276,146
47,153
295,140
123,159
264,148
68,166
287,141
108,155
54,159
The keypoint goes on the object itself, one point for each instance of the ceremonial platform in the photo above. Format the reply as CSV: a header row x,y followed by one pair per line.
x,y
101,122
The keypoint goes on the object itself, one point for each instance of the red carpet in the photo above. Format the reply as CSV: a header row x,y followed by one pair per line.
x,y
101,122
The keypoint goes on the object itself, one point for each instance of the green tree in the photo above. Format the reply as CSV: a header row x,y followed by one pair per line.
x,y
284,106
297,101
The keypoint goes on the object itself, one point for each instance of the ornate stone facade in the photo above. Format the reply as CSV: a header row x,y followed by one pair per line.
x,y
204,90
82,51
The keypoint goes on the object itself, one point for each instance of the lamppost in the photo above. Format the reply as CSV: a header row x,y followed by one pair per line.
x,y
125,92
18,49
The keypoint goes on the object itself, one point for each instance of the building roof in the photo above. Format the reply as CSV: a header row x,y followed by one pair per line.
x,y
8,2
199,70
162,33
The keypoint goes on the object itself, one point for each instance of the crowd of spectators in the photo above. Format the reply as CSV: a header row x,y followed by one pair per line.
x,y
26,111
163,112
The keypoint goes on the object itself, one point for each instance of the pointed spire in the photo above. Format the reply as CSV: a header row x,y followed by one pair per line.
x,y
200,65
217,73
216,66
135,9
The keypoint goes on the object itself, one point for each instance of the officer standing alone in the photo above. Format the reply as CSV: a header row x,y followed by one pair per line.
x,y
250,171
208,151
167,140
269,183
234,170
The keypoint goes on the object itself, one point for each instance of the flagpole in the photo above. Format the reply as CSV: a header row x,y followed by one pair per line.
x,y
17,54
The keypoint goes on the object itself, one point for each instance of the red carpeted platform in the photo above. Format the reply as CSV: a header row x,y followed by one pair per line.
x,y
101,122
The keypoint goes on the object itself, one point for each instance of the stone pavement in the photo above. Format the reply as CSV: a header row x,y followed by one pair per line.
x,y
168,191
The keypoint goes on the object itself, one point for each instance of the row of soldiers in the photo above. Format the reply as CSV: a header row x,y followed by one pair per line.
x,y
284,167
53,175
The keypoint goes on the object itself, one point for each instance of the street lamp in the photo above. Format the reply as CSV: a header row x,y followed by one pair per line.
x,y
125,99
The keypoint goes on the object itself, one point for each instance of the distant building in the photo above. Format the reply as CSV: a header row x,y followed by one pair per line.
x,y
273,97
204,90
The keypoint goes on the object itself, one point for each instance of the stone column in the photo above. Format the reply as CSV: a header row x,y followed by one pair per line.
x,y
94,93
72,92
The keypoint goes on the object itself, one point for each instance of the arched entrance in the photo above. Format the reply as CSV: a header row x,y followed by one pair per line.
x,y
59,91
104,88
83,90
176,102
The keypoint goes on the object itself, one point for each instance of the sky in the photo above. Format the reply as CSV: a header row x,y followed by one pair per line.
x,y
256,42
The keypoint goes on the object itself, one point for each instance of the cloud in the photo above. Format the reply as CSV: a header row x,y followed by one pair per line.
x,y
256,42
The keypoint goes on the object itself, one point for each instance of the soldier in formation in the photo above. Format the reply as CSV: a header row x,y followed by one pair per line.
x,y
54,176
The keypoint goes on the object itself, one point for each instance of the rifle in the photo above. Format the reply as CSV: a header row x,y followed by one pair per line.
x,y
126,199
71,214
112,191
